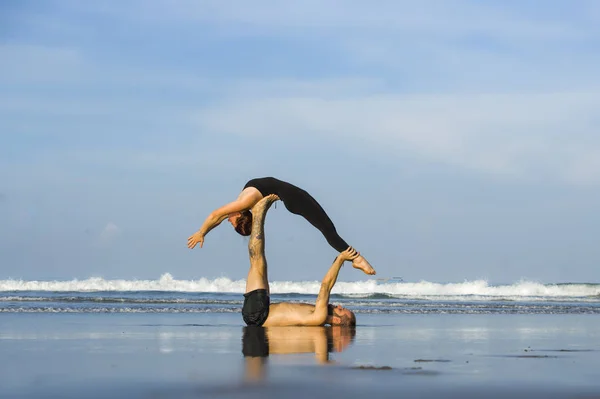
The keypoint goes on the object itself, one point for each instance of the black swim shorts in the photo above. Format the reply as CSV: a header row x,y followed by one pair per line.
x,y
256,307
255,342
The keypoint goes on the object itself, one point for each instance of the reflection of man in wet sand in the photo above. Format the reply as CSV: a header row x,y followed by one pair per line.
x,y
259,342
258,311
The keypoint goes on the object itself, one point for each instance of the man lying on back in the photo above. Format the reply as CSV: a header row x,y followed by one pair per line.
x,y
258,310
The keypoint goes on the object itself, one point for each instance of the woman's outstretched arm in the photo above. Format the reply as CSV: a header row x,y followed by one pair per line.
x,y
244,202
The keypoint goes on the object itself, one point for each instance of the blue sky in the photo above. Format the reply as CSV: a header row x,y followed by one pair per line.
x,y
448,140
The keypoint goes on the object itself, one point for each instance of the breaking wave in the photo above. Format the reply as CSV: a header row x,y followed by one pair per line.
x,y
362,289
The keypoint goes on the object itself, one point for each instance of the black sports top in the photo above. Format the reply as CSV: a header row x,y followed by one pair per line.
x,y
271,185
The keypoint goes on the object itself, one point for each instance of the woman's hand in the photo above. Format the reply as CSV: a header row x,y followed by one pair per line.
x,y
196,238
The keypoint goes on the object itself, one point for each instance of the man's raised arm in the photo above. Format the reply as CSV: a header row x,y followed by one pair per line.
x,y
320,314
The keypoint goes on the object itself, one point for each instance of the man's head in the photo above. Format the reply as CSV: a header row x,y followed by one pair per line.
x,y
241,222
340,316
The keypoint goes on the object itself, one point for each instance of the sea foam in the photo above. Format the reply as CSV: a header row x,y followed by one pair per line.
x,y
167,283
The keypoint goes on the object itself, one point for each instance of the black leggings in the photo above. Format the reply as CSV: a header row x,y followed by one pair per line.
x,y
303,204
299,202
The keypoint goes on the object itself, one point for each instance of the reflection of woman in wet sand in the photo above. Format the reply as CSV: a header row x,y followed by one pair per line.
x,y
295,199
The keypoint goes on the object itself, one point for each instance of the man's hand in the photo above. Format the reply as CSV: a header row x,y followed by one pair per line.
x,y
196,238
349,254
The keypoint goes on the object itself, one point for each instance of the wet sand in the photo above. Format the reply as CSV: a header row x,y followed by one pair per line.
x,y
202,355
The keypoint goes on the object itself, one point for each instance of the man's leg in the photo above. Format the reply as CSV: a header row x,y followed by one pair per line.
x,y
256,299
257,275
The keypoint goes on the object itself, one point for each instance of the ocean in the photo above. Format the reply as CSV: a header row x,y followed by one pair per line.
x,y
222,295
169,338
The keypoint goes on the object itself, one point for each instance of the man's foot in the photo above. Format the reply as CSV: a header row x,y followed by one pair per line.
x,y
264,204
271,198
362,264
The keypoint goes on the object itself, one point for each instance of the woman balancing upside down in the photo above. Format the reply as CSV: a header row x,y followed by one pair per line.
x,y
296,201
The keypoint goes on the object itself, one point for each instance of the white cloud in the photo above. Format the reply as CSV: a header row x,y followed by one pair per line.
x,y
363,29
585,168
67,66
23,63
359,21
483,123
519,134
109,234
456,18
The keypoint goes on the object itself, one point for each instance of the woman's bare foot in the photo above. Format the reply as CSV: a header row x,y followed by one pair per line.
x,y
362,264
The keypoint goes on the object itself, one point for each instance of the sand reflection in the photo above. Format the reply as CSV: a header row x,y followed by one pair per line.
x,y
259,343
